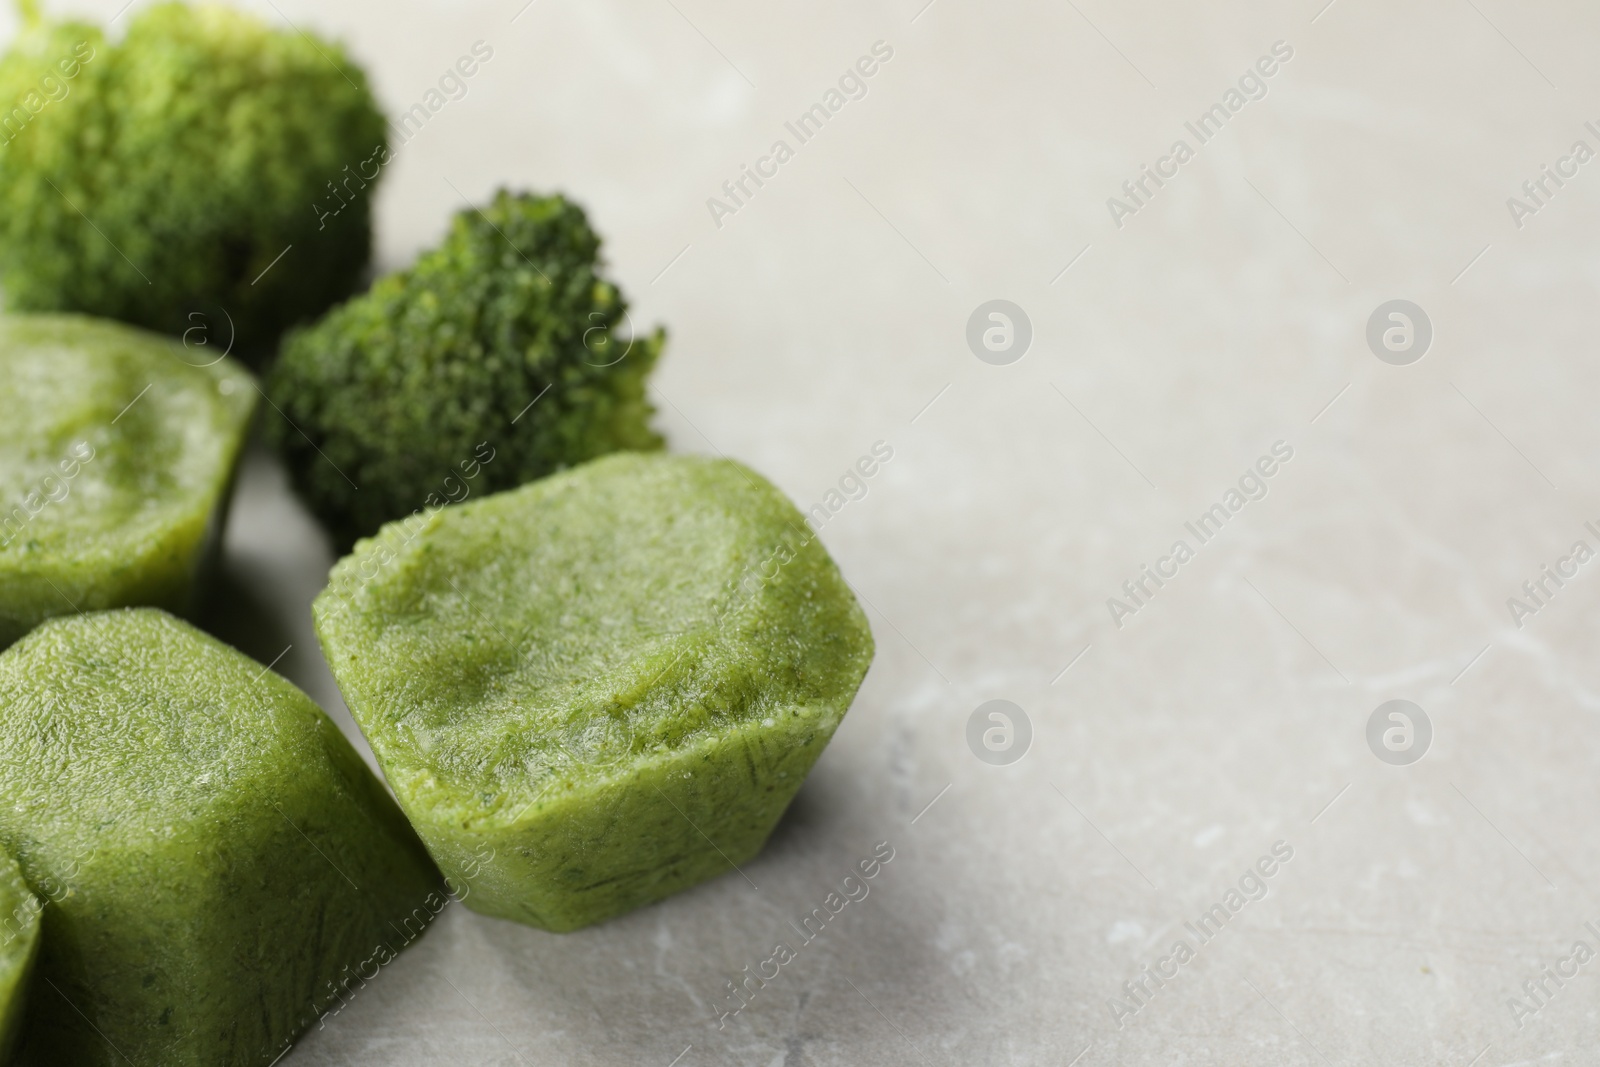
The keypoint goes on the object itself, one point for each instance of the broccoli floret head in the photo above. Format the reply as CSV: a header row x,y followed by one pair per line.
x,y
498,358
157,178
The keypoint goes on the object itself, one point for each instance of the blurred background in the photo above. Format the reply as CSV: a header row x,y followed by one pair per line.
x,y
1163,739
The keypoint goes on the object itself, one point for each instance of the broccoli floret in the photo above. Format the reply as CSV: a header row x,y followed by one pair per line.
x,y
155,179
502,337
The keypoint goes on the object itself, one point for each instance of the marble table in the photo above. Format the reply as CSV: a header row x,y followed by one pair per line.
x,y
1198,219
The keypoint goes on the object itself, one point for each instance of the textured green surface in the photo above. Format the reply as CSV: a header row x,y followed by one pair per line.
x,y
19,948
562,682
150,442
201,146
398,387
222,851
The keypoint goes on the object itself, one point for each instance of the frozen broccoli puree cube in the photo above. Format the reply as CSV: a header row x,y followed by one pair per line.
x,y
599,688
117,453
222,859
19,947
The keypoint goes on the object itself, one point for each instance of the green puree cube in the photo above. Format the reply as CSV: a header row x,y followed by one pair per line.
x,y
116,457
19,947
600,688
221,860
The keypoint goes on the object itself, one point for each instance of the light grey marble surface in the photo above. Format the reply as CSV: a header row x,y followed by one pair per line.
x,y
1229,713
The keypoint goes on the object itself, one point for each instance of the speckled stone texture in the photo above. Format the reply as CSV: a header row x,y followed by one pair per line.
x,y
1224,316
